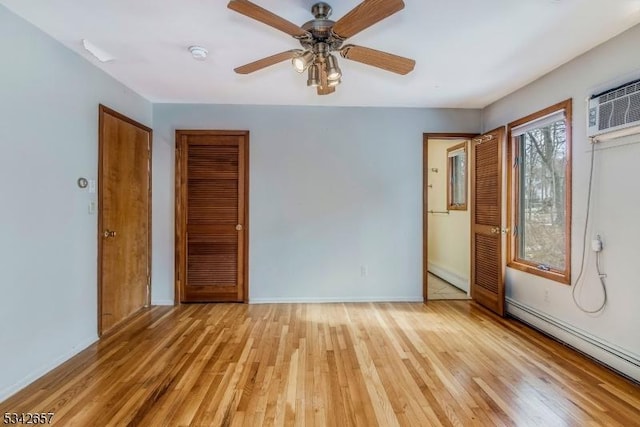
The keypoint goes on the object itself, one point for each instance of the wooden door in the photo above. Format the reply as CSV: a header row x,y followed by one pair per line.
x,y
124,218
488,238
211,216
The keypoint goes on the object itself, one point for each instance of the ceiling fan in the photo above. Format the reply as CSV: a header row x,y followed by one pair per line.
x,y
322,36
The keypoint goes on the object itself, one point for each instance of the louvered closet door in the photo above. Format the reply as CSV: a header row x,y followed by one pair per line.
x,y
211,239
487,212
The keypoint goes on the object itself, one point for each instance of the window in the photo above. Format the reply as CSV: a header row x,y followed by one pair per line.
x,y
540,193
457,177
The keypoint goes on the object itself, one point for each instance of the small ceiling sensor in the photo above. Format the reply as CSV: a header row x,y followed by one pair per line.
x,y
99,53
198,52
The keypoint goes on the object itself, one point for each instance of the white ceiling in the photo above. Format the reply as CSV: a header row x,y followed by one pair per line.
x,y
469,53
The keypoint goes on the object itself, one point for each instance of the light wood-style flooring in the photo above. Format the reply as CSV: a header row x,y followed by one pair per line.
x,y
444,363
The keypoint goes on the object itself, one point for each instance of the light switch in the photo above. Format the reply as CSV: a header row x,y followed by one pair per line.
x,y
92,207
92,186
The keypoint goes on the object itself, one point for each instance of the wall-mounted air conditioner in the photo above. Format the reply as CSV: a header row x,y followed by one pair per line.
x,y
615,113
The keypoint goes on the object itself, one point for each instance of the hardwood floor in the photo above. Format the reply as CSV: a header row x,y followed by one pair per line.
x,y
445,363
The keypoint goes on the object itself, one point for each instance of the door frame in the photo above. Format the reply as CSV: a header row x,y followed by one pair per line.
x,y
102,111
180,232
425,200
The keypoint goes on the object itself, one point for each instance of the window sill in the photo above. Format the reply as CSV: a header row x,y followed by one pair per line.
x,y
556,276
457,207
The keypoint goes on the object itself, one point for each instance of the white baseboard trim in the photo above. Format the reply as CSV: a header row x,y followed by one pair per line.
x,y
451,277
162,302
13,389
615,357
320,300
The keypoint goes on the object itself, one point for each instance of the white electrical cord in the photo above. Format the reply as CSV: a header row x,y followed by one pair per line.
x,y
584,248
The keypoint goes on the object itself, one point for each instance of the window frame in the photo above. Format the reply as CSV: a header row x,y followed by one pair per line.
x,y
561,276
450,205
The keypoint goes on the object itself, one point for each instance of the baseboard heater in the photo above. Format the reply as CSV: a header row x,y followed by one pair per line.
x,y
631,360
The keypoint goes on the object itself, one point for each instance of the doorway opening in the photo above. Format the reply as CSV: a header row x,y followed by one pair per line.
x,y
446,216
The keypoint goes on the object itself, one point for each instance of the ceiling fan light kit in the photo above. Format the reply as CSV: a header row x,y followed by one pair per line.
x,y
314,76
302,61
333,71
322,36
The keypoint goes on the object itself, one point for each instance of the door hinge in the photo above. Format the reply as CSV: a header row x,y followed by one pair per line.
x,y
483,138
515,230
516,162
148,300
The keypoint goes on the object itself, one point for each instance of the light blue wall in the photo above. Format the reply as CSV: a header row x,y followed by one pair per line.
x,y
49,100
615,207
331,190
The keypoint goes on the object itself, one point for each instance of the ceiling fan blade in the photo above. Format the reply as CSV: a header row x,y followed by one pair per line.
x,y
266,62
326,91
377,58
252,10
324,88
365,15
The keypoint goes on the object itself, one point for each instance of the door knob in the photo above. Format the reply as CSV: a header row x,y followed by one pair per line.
x,y
239,227
495,230
109,233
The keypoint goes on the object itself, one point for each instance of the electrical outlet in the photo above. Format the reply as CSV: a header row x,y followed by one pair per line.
x,y
364,271
546,296
596,244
